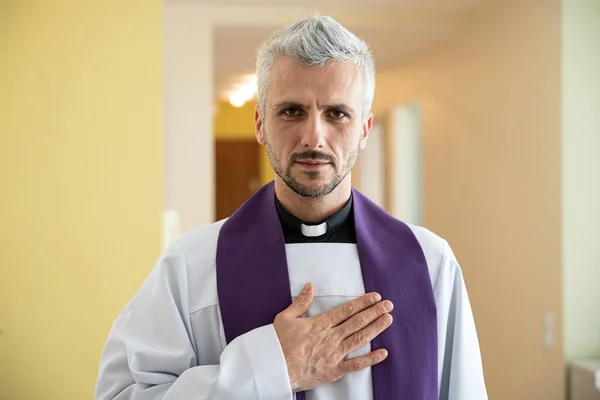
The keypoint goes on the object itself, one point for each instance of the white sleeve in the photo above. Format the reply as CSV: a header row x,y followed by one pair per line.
x,y
150,353
460,364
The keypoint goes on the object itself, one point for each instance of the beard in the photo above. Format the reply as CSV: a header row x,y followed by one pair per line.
x,y
314,190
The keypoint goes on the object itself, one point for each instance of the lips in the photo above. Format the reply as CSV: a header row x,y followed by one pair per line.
x,y
312,165
312,162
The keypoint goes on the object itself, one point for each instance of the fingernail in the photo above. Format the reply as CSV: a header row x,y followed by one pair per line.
x,y
377,297
306,288
389,306
383,354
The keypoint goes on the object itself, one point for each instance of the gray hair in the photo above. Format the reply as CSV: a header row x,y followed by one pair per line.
x,y
315,41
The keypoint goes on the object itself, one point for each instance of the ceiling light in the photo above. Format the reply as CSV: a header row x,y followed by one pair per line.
x,y
244,93
237,100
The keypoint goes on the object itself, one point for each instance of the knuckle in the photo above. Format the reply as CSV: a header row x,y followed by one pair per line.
x,y
340,354
323,323
347,310
359,321
355,365
372,358
343,350
360,338
329,340
279,317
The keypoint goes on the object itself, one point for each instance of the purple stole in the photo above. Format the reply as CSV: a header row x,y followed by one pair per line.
x,y
253,286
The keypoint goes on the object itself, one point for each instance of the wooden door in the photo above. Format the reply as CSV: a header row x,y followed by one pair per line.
x,y
237,174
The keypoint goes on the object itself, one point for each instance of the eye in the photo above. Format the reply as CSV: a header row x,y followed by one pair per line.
x,y
290,112
337,114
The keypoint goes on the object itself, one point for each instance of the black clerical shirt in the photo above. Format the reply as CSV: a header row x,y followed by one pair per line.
x,y
340,226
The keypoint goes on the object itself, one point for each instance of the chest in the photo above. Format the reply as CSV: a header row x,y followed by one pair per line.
x,y
333,269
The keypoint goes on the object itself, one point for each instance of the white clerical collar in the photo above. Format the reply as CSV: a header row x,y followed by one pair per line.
x,y
291,223
314,230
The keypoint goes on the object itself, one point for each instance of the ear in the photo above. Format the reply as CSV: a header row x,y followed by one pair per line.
x,y
366,129
258,125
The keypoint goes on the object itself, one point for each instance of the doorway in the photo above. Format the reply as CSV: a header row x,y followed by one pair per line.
x,y
237,172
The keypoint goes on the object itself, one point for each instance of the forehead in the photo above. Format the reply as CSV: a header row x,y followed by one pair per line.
x,y
335,83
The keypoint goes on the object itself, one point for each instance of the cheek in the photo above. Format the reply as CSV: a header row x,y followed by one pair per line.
x,y
346,143
282,142
279,147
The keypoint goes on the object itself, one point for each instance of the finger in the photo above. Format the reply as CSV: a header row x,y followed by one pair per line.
x,y
347,310
364,318
364,336
300,306
362,362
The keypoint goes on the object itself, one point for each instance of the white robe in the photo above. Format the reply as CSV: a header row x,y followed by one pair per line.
x,y
168,343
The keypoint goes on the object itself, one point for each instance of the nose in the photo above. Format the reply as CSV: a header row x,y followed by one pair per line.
x,y
313,133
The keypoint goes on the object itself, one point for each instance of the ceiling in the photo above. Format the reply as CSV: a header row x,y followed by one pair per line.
x,y
394,29
444,5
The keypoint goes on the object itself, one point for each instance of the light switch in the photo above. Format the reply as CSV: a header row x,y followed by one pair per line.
x,y
549,330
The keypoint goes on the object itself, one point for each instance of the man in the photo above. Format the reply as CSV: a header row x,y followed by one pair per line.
x,y
309,290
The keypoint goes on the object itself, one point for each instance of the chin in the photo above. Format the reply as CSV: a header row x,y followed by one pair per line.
x,y
312,188
313,183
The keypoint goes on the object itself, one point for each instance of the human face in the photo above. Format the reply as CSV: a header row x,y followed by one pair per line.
x,y
313,124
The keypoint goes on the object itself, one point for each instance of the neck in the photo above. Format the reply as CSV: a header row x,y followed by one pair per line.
x,y
313,209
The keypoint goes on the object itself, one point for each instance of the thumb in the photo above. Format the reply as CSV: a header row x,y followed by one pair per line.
x,y
300,306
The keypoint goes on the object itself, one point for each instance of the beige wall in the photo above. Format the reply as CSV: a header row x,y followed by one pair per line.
x,y
491,134
81,173
188,114
581,181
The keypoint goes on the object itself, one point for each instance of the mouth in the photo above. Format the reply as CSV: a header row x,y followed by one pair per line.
x,y
312,164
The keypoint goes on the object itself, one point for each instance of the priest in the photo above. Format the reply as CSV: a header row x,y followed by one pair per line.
x,y
309,290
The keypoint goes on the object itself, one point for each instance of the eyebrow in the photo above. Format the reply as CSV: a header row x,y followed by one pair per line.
x,y
293,104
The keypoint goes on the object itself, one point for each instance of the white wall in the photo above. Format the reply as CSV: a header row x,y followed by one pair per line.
x,y
371,168
581,177
406,163
188,118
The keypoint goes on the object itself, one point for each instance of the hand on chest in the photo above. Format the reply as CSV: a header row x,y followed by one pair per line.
x,y
333,268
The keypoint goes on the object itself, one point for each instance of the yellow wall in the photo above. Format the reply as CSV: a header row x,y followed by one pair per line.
x,y
238,123
491,109
81,170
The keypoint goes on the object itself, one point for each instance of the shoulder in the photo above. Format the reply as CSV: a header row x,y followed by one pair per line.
x,y
201,242
196,251
438,254
191,250
431,243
